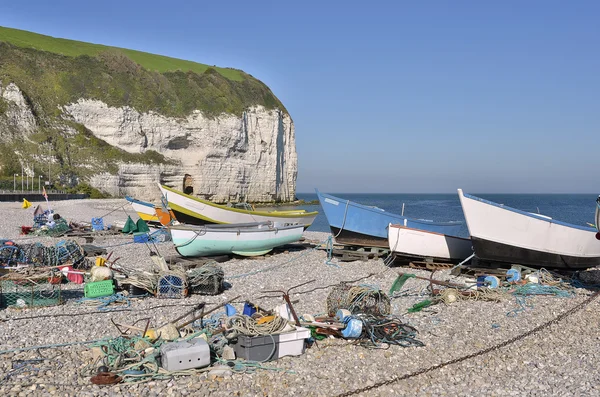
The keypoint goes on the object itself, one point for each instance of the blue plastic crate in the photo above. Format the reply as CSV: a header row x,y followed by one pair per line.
x,y
97,224
140,238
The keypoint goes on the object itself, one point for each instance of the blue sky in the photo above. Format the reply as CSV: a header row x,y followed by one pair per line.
x,y
390,96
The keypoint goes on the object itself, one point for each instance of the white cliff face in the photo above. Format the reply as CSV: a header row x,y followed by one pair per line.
x,y
18,114
252,157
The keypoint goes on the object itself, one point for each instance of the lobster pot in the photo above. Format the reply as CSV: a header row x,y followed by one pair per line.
x,y
9,253
172,286
69,251
206,280
358,299
30,292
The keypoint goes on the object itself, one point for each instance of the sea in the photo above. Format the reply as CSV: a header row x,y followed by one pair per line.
x,y
578,209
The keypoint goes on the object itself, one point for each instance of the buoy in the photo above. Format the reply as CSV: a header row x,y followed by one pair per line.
x,y
513,275
341,314
532,279
491,281
230,310
353,328
309,318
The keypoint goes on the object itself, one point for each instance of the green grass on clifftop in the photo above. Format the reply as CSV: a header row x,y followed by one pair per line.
x,y
72,48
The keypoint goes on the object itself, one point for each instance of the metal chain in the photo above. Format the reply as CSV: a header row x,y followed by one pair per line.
x,y
539,328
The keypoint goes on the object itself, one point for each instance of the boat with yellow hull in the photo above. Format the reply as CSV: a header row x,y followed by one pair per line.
x,y
195,211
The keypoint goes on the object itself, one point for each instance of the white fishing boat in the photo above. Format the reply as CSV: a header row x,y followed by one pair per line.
x,y
192,210
248,239
414,243
503,234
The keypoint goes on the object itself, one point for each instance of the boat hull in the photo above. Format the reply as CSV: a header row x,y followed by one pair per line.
x,y
192,210
508,235
356,224
414,243
144,210
193,241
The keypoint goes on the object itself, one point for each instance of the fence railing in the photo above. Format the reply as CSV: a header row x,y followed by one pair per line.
x,y
11,191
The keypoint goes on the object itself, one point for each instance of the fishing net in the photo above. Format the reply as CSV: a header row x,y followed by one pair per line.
x,y
36,254
31,291
172,285
206,279
358,299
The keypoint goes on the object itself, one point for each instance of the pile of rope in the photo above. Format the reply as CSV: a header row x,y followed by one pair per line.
x,y
378,330
358,299
206,279
103,303
144,280
451,295
249,326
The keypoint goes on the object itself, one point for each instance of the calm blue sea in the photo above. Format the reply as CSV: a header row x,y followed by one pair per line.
x,y
572,208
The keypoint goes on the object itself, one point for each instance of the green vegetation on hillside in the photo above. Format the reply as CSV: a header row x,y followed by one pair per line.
x,y
72,48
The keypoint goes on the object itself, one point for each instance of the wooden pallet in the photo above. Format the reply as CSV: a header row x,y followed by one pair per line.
x,y
430,265
351,254
190,263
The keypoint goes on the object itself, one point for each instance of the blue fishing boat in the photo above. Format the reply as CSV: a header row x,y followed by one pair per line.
x,y
356,224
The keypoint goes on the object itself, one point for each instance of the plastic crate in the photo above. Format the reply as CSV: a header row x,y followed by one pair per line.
x,y
99,288
141,237
97,224
271,347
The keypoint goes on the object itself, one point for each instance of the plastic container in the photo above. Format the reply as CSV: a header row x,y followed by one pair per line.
x,y
97,224
98,289
180,356
271,347
140,237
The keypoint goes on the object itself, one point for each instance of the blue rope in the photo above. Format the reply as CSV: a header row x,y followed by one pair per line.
x,y
105,301
329,248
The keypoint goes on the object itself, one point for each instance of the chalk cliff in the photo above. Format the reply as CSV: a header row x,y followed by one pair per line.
x,y
123,121
229,158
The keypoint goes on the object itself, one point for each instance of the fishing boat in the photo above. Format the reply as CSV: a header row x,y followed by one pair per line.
x,y
144,209
247,239
503,234
192,210
414,243
356,224
151,213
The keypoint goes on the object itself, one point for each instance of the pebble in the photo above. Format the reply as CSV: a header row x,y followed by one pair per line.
x,y
561,359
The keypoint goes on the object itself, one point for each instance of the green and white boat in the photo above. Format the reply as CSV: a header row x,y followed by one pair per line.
x,y
194,211
247,239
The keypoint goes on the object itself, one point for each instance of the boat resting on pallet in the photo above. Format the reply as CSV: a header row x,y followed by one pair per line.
x,y
503,234
248,239
151,213
414,243
192,210
356,224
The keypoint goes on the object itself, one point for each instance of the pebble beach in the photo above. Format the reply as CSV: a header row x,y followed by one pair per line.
x,y
559,360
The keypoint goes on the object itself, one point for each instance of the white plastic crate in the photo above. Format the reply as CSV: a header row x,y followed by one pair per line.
x,y
292,343
271,347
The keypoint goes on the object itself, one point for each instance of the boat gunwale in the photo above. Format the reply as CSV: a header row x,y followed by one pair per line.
x,y
140,202
382,211
298,214
393,225
230,229
525,213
